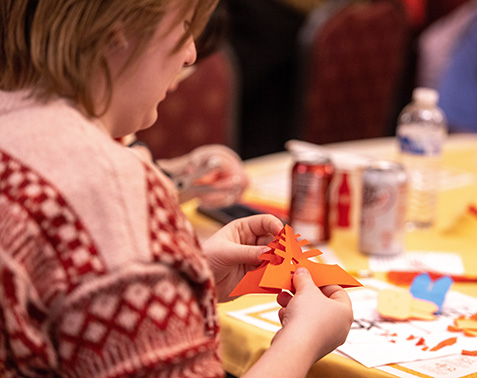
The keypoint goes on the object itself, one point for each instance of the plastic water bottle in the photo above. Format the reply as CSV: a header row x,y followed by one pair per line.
x,y
421,131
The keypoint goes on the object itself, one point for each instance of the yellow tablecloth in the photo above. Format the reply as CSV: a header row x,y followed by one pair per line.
x,y
456,231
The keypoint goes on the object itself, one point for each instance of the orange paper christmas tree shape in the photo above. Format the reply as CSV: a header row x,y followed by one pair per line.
x,y
275,273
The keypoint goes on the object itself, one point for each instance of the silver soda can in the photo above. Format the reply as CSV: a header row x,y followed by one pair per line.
x,y
383,208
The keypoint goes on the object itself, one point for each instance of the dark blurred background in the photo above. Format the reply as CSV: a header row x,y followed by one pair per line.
x,y
322,71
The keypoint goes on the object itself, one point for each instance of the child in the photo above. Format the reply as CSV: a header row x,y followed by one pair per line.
x,y
101,275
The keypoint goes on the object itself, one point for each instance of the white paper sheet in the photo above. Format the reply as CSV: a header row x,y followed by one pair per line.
x,y
375,342
426,261
456,366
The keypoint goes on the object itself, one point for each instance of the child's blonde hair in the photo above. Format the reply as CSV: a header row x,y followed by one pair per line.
x,y
52,47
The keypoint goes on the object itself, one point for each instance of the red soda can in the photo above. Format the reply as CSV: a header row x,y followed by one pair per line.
x,y
383,209
310,196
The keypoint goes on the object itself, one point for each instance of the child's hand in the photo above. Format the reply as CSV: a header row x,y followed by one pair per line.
x,y
234,249
321,317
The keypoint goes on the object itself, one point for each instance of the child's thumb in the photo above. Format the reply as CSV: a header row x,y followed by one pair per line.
x,y
302,278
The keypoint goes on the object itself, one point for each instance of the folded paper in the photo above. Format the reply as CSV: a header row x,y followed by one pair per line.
x,y
276,272
399,304
423,287
467,325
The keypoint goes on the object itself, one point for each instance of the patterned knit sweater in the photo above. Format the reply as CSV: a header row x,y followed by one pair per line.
x,y
101,275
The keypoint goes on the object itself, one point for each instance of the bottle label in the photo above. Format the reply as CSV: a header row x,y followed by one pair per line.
x,y
430,145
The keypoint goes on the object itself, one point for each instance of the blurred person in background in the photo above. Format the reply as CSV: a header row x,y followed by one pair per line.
x,y
458,86
447,62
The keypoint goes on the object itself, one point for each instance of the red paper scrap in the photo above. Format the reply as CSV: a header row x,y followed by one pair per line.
x,y
421,341
275,273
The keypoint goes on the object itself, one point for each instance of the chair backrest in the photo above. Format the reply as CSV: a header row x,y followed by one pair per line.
x,y
439,8
354,55
202,110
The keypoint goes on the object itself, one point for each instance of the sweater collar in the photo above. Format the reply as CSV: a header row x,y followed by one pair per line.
x,y
15,100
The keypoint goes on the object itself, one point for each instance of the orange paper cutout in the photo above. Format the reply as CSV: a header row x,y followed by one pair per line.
x,y
275,273
444,343
467,325
470,333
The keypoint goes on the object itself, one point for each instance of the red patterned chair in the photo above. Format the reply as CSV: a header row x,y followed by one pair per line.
x,y
200,111
354,56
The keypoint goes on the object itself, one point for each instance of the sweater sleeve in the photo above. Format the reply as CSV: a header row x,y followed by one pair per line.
x,y
25,347
143,322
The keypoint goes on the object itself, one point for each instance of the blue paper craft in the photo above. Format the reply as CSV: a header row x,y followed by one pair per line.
x,y
423,287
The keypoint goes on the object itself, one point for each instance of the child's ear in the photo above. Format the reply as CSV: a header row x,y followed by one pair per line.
x,y
118,40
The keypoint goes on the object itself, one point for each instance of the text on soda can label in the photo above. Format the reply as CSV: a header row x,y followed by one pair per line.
x,y
383,209
310,197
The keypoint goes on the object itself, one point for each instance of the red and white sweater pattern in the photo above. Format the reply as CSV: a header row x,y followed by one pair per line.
x,y
68,305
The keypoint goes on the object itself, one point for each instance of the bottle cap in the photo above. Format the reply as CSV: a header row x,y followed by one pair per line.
x,y
426,96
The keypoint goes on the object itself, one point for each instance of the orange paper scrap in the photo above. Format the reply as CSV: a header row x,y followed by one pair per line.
x,y
406,278
467,325
275,273
444,343
470,333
